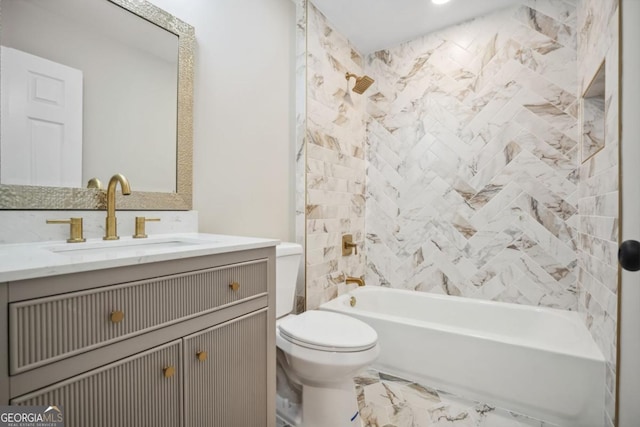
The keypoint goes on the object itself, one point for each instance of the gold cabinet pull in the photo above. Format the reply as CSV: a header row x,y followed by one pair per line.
x,y
169,371
234,286
201,355
116,316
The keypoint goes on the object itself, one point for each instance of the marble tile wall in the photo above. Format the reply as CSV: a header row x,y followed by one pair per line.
x,y
475,184
472,153
300,142
598,216
335,164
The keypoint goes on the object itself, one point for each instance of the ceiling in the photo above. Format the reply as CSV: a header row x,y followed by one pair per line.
x,y
373,25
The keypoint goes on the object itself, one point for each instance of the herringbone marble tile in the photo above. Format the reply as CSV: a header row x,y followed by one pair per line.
x,y
472,160
474,180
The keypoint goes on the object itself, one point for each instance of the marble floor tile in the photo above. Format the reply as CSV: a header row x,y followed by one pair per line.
x,y
388,401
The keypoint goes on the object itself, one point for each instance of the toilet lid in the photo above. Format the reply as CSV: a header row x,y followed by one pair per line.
x,y
324,330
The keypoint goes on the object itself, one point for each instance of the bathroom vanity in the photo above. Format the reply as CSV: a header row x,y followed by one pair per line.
x,y
173,331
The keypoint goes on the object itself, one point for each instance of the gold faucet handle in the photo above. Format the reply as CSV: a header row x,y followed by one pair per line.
x,y
140,228
75,228
348,246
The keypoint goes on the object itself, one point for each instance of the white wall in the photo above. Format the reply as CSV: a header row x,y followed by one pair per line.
x,y
629,411
243,114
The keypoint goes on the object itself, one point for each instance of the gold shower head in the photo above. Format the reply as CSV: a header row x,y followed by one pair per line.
x,y
362,83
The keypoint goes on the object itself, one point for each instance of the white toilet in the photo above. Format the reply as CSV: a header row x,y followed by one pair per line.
x,y
318,352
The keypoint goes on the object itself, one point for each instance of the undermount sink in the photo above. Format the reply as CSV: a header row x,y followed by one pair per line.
x,y
121,246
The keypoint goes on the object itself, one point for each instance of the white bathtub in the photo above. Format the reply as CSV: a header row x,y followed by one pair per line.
x,y
538,362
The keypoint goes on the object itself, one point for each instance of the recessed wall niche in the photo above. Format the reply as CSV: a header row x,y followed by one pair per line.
x,y
593,116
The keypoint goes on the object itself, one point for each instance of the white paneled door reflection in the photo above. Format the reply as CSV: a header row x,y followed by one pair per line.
x,y
41,139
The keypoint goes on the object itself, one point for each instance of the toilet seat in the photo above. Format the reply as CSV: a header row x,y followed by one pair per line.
x,y
327,331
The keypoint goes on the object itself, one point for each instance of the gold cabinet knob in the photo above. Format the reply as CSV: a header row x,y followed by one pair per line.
x,y
169,371
201,355
234,286
116,316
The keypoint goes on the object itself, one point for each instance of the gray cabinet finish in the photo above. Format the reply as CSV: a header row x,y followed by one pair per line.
x,y
48,329
65,348
133,392
223,389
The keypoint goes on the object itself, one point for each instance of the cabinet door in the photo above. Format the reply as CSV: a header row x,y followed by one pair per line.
x,y
142,390
227,384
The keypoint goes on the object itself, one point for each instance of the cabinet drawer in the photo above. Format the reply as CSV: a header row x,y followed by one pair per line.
x,y
48,329
137,391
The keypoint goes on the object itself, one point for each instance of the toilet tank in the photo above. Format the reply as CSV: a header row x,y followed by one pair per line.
x,y
288,257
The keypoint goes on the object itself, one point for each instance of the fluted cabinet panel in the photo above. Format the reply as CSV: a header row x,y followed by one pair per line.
x,y
133,392
48,329
228,388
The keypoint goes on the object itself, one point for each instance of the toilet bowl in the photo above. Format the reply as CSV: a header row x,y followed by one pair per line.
x,y
319,353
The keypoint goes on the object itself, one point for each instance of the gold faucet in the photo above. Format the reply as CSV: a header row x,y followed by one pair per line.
x,y
357,280
112,225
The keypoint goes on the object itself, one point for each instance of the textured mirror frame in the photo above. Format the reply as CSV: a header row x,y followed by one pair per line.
x,y
32,197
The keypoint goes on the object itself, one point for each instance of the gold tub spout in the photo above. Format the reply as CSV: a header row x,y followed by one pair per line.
x,y
111,223
357,280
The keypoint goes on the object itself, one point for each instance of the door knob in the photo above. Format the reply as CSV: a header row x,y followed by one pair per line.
x,y
629,255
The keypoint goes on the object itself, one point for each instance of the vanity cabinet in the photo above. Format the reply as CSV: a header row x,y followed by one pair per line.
x,y
221,364
142,390
187,342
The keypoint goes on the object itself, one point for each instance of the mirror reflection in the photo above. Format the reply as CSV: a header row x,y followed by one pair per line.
x,y
88,89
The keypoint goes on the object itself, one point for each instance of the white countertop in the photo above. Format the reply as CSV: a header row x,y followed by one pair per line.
x,y
30,260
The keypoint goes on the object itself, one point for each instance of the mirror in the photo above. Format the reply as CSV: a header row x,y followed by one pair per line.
x,y
102,87
593,115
